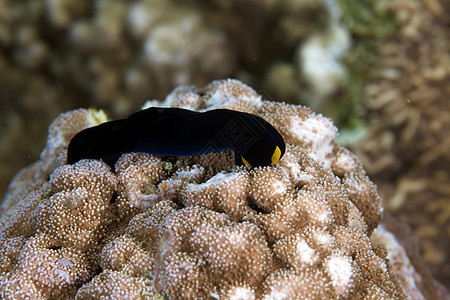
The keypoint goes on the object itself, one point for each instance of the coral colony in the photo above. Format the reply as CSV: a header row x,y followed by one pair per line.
x,y
198,227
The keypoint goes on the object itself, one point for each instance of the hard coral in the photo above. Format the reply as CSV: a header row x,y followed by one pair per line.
x,y
199,227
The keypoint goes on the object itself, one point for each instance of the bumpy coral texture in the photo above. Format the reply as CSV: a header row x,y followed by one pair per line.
x,y
197,227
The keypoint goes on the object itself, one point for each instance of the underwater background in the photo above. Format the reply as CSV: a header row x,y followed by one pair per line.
x,y
380,70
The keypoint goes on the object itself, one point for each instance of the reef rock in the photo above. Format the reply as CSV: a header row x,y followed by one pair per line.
x,y
199,227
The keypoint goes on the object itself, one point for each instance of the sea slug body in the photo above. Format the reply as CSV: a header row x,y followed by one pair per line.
x,y
181,132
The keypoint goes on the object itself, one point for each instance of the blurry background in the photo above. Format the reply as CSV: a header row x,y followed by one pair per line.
x,y
379,69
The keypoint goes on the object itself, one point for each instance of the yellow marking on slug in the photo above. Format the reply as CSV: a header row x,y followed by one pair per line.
x,y
276,155
245,162
98,116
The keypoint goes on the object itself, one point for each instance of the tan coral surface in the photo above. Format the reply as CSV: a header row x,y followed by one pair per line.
x,y
198,227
